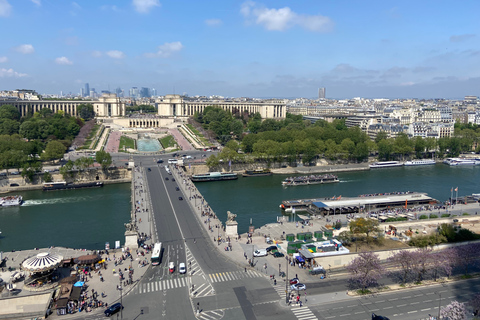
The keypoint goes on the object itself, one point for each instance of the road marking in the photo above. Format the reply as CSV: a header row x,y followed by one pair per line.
x,y
412,311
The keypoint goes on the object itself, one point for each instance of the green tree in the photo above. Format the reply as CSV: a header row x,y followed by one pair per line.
x,y
83,163
104,159
213,161
85,111
54,150
8,111
362,225
30,169
8,126
66,169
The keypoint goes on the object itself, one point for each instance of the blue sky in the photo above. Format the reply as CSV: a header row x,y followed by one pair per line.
x,y
372,49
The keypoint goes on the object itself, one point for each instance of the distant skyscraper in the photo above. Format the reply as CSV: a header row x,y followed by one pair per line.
x,y
87,89
134,92
153,92
144,92
321,93
82,92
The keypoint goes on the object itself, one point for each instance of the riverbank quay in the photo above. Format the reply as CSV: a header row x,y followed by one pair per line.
x,y
17,303
322,169
18,183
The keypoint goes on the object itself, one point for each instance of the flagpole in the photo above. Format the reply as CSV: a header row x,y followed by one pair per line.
x,y
451,198
456,197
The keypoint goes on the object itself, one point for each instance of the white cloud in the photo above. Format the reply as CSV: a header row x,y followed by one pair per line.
x,y
37,2
213,22
9,73
97,54
166,50
25,49
144,6
283,18
63,61
115,54
3,59
5,8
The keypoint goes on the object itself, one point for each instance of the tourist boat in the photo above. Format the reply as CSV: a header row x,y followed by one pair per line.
x,y
313,179
62,185
214,176
461,162
386,164
257,172
419,162
11,201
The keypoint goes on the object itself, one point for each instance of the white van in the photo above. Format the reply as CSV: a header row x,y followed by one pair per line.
x,y
260,253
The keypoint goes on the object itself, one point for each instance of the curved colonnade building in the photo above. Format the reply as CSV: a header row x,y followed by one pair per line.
x,y
108,105
169,107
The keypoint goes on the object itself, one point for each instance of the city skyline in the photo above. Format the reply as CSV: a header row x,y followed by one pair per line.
x,y
279,49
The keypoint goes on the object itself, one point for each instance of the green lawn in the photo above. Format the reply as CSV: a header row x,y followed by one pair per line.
x,y
126,142
198,134
168,142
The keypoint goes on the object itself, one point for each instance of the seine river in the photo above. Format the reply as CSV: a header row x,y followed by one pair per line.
x,y
88,218
85,218
258,198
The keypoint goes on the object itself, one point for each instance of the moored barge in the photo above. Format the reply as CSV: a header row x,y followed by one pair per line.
x,y
62,185
307,180
257,173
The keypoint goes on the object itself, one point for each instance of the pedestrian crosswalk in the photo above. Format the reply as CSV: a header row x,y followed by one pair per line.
x,y
233,275
281,290
192,265
211,315
161,285
304,313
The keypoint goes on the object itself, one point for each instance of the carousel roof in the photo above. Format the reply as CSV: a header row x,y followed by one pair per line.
x,y
42,262
88,259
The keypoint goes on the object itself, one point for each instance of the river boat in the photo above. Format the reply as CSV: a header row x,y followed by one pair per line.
x,y
214,176
11,201
307,180
419,162
257,173
461,162
386,164
62,185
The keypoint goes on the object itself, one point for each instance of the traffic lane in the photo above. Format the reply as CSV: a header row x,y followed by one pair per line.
x,y
203,249
166,224
403,304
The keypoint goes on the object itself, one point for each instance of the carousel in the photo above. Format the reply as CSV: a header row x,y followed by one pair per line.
x,y
42,269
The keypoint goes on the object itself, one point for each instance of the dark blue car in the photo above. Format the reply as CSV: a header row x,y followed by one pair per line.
x,y
114,308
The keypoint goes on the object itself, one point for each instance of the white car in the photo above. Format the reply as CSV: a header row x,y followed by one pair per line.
x,y
181,268
260,253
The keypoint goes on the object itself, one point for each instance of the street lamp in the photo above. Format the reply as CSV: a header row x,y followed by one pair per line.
x,y
286,282
121,298
439,304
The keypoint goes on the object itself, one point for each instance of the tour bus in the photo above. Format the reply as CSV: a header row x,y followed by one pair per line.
x,y
156,254
172,161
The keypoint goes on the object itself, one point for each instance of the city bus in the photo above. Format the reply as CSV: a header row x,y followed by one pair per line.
x,y
157,254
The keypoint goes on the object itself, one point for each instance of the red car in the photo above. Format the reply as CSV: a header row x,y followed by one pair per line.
x,y
294,281
171,267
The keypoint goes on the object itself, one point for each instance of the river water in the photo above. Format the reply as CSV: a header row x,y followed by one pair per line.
x,y
87,218
84,218
258,198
